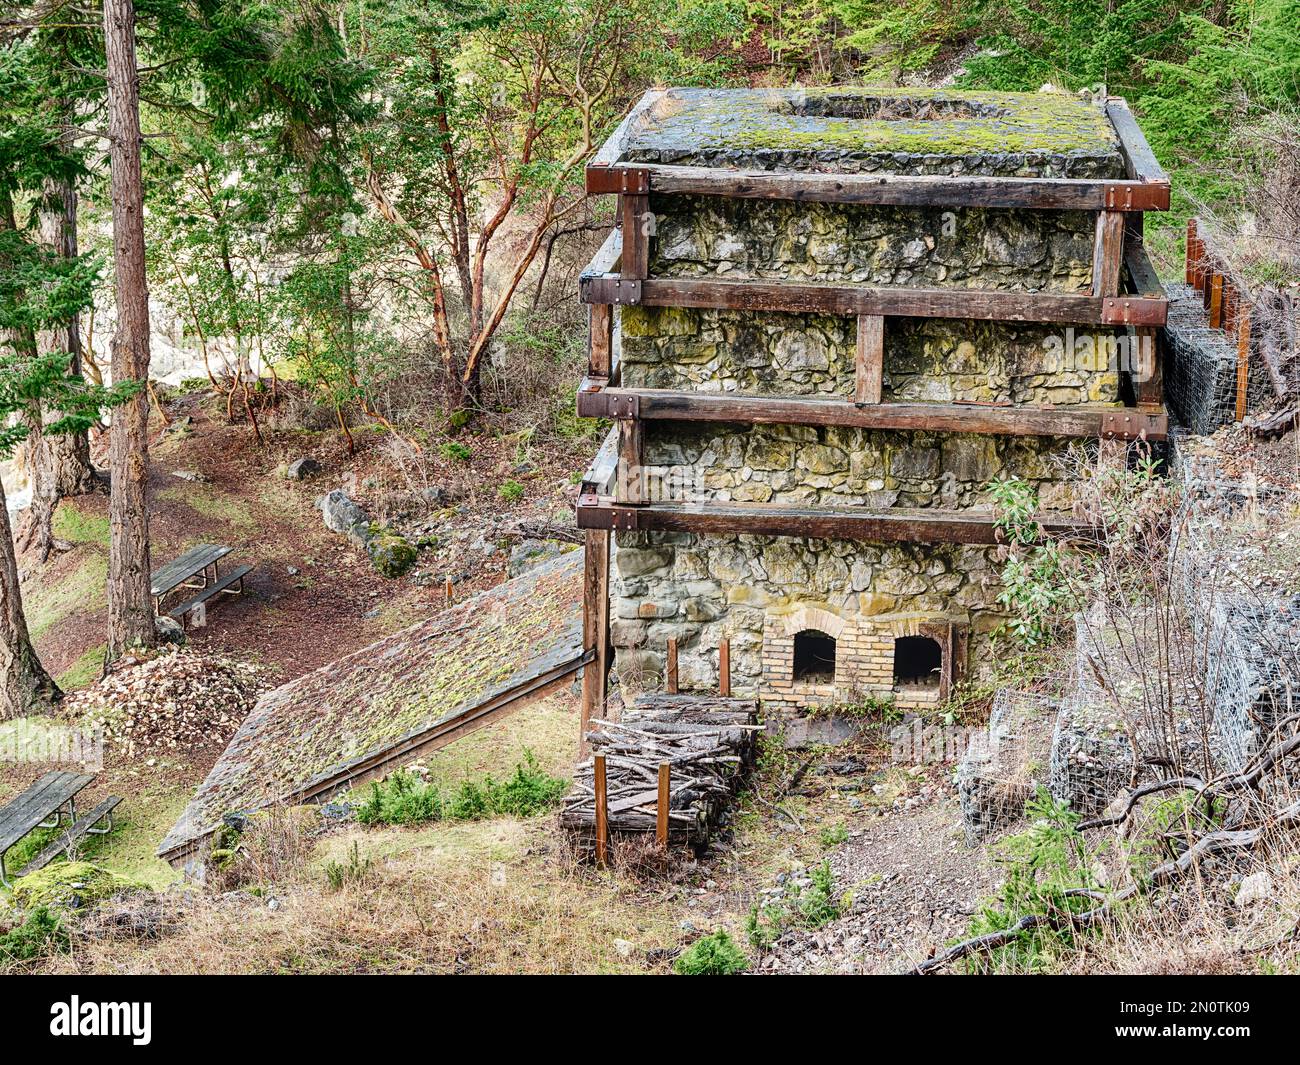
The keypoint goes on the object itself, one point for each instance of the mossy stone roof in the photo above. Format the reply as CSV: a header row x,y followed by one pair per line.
x,y
309,731
899,131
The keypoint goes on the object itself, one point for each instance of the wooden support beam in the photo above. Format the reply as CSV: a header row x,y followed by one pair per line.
x,y
638,225
724,669
595,632
662,804
1243,363
1148,371
897,524
602,810
1139,160
1189,253
905,190
869,359
670,668
1108,253
661,404
600,345
852,300
631,461
1216,301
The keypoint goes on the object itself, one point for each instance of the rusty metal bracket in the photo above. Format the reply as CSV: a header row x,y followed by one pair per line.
x,y
624,519
630,180
1137,196
1129,423
627,405
1133,310
615,290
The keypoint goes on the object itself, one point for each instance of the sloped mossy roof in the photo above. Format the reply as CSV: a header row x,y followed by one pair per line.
x,y
902,131
304,736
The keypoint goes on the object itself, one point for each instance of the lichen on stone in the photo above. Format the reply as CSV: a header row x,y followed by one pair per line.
x,y
898,131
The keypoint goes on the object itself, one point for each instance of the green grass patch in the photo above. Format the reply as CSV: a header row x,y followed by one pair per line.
x,y
85,671
78,527
82,589
212,503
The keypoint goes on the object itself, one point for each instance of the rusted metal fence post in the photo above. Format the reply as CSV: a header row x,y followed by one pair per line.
x,y
724,669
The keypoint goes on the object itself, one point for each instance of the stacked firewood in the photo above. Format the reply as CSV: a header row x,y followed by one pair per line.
x,y
708,743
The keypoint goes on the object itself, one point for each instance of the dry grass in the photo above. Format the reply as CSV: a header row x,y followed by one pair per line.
x,y
496,897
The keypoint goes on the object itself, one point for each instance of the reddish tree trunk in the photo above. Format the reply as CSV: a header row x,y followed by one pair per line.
x,y
130,606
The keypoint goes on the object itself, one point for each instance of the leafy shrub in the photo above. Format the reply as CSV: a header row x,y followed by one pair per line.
x,y
455,451
712,955
1047,866
819,904
404,799
41,933
803,906
833,835
511,491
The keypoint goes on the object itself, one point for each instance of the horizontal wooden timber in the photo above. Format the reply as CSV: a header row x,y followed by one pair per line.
x,y
849,300
1142,278
1139,159
848,523
891,189
597,401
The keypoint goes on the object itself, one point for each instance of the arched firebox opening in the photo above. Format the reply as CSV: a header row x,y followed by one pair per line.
x,y
814,657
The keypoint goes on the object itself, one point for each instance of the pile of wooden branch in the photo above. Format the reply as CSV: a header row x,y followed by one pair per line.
x,y
707,742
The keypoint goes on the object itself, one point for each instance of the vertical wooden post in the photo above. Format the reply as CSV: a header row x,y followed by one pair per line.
x,y
631,473
1216,301
600,341
638,223
1189,256
724,669
670,681
595,631
602,812
446,587
1108,253
661,808
1243,362
1148,384
869,357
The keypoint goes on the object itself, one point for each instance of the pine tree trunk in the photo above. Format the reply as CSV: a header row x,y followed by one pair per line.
x,y
130,606
25,687
72,472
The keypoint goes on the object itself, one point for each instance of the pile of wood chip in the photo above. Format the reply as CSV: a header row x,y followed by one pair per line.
x,y
173,700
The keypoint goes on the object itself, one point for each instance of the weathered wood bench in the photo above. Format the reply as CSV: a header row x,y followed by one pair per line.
x,y
86,825
181,573
35,807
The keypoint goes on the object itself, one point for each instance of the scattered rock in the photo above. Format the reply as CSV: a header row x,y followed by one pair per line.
x,y
1258,887
301,469
169,631
530,552
391,554
189,475
342,515
624,948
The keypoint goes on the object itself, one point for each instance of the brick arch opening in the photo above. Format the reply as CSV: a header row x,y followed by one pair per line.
x,y
814,657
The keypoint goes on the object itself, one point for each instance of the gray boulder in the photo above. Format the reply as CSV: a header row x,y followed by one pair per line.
x,y
342,515
301,469
169,630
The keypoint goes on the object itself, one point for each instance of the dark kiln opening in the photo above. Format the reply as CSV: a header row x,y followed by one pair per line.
x,y
814,657
917,661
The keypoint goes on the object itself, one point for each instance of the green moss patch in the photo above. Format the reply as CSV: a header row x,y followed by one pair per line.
x,y
82,589
69,885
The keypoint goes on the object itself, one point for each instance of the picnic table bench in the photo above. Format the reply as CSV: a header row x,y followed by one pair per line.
x,y
190,570
45,805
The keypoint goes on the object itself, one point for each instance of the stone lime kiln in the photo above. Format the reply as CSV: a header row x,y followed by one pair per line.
x,y
827,320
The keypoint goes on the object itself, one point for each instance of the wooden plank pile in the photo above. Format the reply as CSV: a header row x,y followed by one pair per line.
x,y
706,742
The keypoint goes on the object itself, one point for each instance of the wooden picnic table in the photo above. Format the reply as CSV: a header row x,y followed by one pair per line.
x,y
182,572
34,807
183,569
